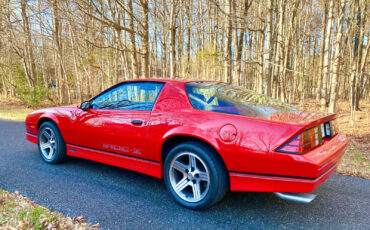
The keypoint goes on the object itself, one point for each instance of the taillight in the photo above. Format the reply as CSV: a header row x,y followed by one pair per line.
x,y
303,142
310,138
329,129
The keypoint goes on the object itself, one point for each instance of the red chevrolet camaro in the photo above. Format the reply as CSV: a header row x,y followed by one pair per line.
x,y
203,138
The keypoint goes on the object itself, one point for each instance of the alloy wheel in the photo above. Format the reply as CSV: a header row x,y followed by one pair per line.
x,y
48,144
189,177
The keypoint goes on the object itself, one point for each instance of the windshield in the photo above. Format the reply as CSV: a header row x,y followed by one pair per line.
x,y
225,98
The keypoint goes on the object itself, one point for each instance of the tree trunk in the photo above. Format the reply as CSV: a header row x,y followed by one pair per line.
x,y
326,62
269,48
78,76
337,57
323,35
278,68
65,89
188,34
29,60
228,40
134,61
173,40
146,63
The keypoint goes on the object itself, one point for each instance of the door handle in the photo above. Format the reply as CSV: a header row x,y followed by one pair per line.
x,y
136,122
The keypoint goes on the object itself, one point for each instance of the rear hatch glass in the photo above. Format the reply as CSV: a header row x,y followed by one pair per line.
x,y
225,98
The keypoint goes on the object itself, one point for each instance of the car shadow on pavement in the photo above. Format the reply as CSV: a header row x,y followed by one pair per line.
x,y
236,204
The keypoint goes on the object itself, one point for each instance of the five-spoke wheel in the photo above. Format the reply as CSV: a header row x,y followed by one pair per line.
x,y
48,144
51,144
189,177
195,175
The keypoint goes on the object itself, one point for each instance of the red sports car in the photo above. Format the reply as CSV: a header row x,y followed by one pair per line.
x,y
203,138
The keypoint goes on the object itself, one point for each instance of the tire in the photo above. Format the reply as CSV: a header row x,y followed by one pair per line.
x,y
51,144
195,175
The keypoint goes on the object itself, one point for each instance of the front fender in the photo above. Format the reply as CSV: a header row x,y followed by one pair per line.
x,y
48,116
34,119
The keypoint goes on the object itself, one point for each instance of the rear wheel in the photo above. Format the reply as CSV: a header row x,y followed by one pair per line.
x,y
195,175
51,144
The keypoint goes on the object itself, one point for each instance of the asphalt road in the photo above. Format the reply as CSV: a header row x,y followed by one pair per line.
x,y
121,199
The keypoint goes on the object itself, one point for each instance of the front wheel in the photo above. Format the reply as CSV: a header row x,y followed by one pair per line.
x,y
195,175
51,144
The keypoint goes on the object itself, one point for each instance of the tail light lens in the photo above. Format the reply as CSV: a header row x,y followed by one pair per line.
x,y
310,138
330,129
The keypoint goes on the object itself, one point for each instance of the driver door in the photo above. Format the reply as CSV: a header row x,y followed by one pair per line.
x,y
117,120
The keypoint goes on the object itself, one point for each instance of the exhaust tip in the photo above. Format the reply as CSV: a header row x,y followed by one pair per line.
x,y
296,197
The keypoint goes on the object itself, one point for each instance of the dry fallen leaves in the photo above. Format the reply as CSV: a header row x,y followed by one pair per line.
x,y
18,212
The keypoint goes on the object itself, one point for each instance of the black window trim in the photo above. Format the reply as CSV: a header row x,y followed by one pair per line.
x,y
130,82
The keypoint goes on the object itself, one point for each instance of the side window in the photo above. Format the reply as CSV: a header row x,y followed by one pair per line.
x,y
130,96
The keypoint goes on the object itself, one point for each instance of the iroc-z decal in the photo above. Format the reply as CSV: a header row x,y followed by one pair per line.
x,y
120,148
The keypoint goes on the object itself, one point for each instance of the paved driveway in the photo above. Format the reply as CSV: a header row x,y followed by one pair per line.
x,y
120,199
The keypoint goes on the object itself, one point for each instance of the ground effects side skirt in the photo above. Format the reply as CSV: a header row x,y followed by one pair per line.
x,y
151,168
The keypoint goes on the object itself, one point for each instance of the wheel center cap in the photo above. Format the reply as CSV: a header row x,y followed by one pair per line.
x,y
190,176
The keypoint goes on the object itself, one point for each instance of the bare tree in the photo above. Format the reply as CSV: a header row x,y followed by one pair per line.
x,y
291,50
326,61
337,56
29,60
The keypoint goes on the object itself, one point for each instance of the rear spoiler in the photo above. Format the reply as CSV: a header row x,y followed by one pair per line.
x,y
306,119
321,120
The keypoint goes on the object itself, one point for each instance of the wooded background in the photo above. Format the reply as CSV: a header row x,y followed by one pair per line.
x,y
288,49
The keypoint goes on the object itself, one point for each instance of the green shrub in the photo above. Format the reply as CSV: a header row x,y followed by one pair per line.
x,y
31,96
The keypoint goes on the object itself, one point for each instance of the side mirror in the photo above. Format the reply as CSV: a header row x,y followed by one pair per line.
x,y
85,105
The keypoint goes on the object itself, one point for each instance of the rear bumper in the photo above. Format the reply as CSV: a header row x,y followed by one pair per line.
x,y
276,183
323,166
